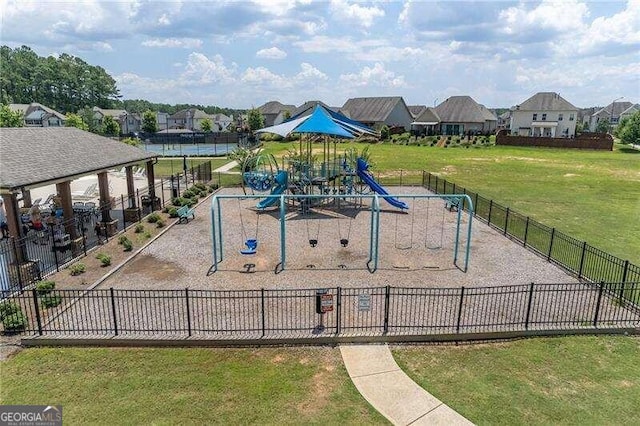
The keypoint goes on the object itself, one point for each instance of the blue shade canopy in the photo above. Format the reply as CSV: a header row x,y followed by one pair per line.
x,y
321,121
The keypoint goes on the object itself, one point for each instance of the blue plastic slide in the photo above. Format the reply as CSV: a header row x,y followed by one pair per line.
x,y
278,188
365,175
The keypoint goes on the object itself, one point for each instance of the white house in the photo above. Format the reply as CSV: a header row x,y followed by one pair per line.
x,y
544,114
221,122
611,113
38,115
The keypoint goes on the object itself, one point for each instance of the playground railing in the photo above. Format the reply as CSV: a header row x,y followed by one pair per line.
x,y
577,257
295,313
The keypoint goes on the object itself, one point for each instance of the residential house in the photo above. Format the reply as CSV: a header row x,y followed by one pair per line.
x,y
38,115
308,107
416,110
584,116
275,113
190,119
426,123
545,114
462,115
629,111
504,120
130,123
162,120
611,113
221,122
376,112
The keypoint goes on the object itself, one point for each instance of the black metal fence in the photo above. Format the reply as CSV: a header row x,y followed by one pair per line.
x,y
586,262
41,252
377,311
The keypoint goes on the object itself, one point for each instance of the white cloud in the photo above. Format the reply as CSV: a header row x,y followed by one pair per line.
x,y
309,73
355,14
186,43
561,16
271,53
374,76
203,70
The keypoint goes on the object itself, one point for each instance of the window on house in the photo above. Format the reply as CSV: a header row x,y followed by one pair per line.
x,y
535,117
571,117
544,117
560,117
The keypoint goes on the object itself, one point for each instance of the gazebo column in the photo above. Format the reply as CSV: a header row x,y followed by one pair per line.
x,y
151,183
26,198
131,213
64,192
110,225
13,215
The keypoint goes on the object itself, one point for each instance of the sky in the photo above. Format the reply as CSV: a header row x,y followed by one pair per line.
x,y
241,54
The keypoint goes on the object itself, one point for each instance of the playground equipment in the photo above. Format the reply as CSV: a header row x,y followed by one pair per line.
x,y
374,225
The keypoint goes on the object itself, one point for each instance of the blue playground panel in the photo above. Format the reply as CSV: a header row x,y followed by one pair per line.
x,y
178,150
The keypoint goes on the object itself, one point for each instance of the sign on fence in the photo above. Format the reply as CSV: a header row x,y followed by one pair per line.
x,y
364,302
324,302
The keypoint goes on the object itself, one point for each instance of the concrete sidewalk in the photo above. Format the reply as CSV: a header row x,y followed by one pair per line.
x,y
390,391
230,165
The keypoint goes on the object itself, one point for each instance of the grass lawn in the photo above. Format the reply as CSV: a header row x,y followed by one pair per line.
x,y
187,386
568,380
167,166
590,195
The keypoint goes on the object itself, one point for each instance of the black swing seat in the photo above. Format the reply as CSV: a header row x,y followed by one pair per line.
x,y
313,243
344,242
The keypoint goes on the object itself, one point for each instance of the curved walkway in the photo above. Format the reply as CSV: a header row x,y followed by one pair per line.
x,y
390,391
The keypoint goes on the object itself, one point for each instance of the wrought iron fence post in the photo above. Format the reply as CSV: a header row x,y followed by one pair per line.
x,y
526,232
454,188
400,177
55,252
339,309
595,317
624,279
460,310
387,293
186,299
84,240
584,250
162,190
113,311
475,206
17,258
506,222
139,204
490,208
553,234
35,303
124,216
436,190
262,309
526,320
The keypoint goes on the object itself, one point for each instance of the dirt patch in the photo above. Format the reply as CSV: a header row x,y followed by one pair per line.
x,y
153,268
570,175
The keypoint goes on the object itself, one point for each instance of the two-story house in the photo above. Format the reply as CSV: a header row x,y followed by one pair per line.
x,y
38,115
611,113
391,111
545,114
190,119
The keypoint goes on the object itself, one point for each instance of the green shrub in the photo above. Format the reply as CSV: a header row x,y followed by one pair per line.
x,y
127,245
214,186
8,308
50,300
122,239
165,210
179,201
201,186
160,223
173,212
153,218
104,258
77,268
192,202
187,194
45,287
15,322
147,234
139,228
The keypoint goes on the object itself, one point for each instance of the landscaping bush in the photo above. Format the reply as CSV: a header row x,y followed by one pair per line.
x,y
160,223
201,186
8,308
147,234
44,287
139,228
122,239
153,218
179,201
77,268
188,193
50,300
214,186
173,212
15,322
104,258
128,245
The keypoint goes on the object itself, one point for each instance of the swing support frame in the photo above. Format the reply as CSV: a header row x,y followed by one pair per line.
x,y
374,228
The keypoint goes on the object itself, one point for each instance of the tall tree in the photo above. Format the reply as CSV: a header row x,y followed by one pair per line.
x,y
603,126
206,125
74,120
255,119
9,118
110,126
630,131
149,122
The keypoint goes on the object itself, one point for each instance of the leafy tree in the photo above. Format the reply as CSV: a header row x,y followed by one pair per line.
x,y
384,132
206,125
110,126
149,122
131,141
287,114
630,132
621,124
74,120
255,119
10,118
88,116
603,126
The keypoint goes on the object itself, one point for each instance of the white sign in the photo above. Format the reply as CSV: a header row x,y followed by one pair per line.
x,y
364,302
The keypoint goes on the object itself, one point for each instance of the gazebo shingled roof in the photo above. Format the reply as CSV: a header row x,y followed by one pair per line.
x,y
35,156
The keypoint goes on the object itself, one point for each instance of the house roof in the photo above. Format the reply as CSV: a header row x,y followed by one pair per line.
x,y
307,108
19,107
193,113
28,109
546,101
429,115
221,117
371,110
416,110
463,109
115,113
34,156
615,108
632,109
505,115
275,107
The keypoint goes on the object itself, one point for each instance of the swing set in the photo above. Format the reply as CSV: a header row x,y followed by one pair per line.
x,y
250,241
